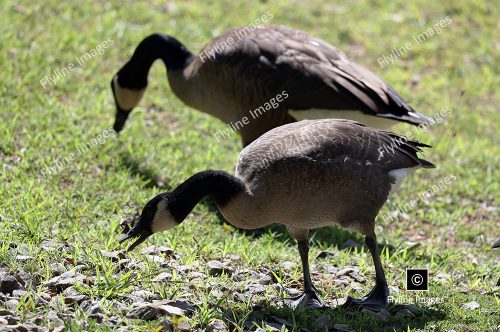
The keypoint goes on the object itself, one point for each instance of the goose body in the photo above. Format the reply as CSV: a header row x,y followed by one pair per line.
x,y
304,175
314,79
317,173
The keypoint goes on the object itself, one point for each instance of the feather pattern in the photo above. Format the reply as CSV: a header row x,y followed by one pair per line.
x,y
330,141
314,73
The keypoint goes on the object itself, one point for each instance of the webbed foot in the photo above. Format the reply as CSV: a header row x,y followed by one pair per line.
x,y
376,300
308,299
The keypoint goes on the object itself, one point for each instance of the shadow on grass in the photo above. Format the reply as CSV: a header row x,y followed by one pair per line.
x,y
150,177
326,318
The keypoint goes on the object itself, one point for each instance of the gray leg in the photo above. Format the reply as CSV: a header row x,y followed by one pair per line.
x,y
377,299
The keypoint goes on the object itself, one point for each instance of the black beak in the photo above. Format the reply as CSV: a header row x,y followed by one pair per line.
x,y
120,119
141,235
121,115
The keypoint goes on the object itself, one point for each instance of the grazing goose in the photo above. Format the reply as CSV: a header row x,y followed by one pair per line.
x,y
272,76
305,175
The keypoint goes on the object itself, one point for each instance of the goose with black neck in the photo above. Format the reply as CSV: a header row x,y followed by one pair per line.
x,y
129,84
320,81
305,175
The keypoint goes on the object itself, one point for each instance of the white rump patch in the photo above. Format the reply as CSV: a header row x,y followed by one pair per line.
x,y
397,175
368,120
126,98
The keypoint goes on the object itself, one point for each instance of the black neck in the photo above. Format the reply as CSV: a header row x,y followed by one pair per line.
x,y
134,75
219,184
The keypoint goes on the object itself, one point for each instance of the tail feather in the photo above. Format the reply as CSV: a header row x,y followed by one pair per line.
x,y
426,164
420,117
411,148
406,113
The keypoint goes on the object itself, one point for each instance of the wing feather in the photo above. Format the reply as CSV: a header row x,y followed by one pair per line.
x,y
330,141
314,73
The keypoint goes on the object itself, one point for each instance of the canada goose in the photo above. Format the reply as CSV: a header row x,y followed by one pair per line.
x,y
305,175
243,71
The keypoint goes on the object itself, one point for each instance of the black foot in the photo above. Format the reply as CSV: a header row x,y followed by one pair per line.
x,y
376,300
309,299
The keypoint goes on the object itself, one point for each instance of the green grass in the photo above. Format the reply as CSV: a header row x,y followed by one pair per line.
x,y
164,142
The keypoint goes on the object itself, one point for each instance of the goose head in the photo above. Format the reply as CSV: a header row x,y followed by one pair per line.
x,y
169,209
156,216
130,82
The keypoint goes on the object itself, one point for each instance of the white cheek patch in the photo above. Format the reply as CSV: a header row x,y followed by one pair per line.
x,y
126,98
163,220
368,120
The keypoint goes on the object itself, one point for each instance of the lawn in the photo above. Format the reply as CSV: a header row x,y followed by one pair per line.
x,y
67,181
